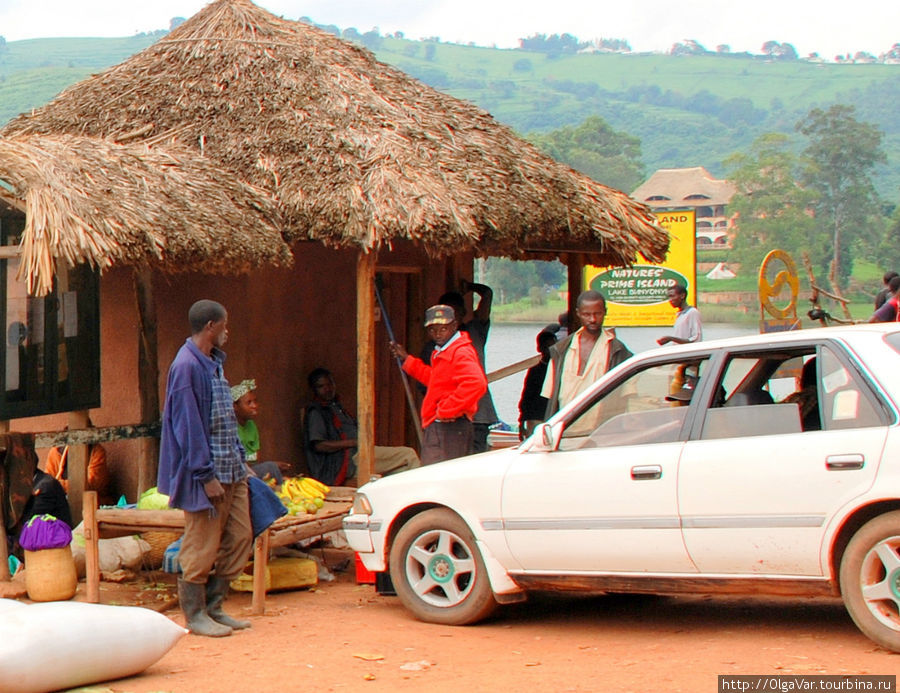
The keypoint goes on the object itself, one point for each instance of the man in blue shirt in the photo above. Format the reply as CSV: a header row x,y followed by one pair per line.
x,y
202,470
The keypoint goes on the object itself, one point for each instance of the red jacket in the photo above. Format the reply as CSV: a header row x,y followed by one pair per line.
x,y
455,381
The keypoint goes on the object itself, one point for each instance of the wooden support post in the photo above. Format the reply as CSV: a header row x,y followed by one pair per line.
x,y
575,266
260,566
148,377
91,549
365,359
4,568
76,466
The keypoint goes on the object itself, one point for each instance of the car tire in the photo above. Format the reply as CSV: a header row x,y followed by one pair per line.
x,y
870,579
438,572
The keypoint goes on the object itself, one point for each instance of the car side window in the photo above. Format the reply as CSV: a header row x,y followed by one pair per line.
x,y
846,401
649,406
764,394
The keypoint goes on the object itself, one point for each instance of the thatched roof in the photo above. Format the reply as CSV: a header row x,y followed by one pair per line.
x,y
92,201
353,151
677,187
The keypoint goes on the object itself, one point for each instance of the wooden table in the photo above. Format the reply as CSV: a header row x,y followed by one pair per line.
x,y
106,523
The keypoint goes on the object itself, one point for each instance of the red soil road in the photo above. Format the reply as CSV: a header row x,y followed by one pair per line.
x,y
343,637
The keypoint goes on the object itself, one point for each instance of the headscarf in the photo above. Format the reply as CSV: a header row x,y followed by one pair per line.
x,y
242,389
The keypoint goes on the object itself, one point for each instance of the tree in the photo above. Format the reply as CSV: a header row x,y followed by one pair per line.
x,y
840,158
175,22
773,208
594,148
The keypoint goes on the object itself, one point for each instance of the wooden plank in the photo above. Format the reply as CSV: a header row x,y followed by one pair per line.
x,y
76,466
307,530
365,359
96,435
260,563
91,548
157,520
513,368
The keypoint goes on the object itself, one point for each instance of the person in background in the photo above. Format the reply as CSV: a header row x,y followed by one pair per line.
x,y
202,470
98,477
890,309
477,328
330,437
885,293
532,406
688,326
580,359
246,409
455,382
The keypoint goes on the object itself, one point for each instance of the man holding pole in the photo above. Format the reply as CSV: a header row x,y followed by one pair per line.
x,y
455,382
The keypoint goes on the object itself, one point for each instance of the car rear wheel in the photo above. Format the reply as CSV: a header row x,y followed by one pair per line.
x,y
870,579
438,572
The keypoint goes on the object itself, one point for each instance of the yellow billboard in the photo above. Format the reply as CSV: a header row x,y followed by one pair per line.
x,y
636,296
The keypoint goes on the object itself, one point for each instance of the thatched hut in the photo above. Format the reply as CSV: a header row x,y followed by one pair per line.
x,y
241,134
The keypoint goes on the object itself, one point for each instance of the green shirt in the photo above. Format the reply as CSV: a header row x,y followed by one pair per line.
x,y
249,435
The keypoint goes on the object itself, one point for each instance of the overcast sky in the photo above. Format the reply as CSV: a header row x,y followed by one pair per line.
x,y
828,27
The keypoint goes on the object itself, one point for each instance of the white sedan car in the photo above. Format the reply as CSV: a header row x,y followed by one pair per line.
x,y
767,464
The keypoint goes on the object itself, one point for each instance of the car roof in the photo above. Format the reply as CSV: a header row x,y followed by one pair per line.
x,y
848,333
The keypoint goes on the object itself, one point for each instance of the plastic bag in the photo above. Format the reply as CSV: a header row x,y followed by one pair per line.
x,y
45,532
152,499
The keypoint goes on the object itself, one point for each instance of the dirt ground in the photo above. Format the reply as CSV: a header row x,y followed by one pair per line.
x,y
342,636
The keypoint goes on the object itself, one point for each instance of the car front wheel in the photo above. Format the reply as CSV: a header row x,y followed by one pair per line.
x,y
870,579
438,572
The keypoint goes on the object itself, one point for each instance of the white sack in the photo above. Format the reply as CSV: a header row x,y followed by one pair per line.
x,y
60,645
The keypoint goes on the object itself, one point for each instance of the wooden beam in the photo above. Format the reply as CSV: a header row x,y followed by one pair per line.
x,y
148,377
76,466
365,359
96,435
91,549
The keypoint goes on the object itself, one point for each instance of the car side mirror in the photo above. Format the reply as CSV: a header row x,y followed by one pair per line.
x,y
543,438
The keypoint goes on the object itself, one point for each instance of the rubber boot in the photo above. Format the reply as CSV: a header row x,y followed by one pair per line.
x,y
193,603
216,589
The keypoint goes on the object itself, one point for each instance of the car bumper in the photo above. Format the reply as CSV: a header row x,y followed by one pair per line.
x,y
364,535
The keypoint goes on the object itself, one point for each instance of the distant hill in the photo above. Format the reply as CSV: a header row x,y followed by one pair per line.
x,y
687,110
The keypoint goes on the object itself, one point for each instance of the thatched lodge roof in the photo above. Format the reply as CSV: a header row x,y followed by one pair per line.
x,y
352,151
92,201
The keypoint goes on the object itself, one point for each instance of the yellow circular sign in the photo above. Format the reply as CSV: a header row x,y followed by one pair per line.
x,y
783,277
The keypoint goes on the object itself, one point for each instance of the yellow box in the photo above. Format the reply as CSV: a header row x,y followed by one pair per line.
x,y
281,574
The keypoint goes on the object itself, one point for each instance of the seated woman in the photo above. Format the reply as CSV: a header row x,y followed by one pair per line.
x,y
98,477
246,409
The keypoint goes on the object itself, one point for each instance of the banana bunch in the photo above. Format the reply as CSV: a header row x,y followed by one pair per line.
x,y
303,494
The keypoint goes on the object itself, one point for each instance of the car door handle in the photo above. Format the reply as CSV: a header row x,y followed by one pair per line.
x,y
647,471
843,463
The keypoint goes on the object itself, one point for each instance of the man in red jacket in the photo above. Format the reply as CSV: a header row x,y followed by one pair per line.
x,y
455,383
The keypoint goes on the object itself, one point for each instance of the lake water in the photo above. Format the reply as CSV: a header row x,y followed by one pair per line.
x,y
512,342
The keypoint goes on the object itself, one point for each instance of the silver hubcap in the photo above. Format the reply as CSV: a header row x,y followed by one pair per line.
x,y
880,581
440,568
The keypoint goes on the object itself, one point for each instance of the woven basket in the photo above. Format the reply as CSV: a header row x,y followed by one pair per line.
x,y
159,542
50,575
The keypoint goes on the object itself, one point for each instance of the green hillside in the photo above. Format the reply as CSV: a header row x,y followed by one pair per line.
x,y
686,110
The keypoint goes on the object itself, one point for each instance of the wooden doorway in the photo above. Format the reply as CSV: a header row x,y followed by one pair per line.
x,y
401,292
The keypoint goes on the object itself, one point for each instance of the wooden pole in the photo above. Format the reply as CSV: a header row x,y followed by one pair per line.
x,y
575,266
260,566
365,359
76,466
148,377
91,549
4,567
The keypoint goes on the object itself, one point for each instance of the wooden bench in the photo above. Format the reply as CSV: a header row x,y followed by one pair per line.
x,y
106,523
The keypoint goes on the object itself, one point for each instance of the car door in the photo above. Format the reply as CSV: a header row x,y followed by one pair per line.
x,y
605,499
766,472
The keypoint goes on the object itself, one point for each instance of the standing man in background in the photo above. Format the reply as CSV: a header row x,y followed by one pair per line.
x,y
579,360
202,470
688,326
477,328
